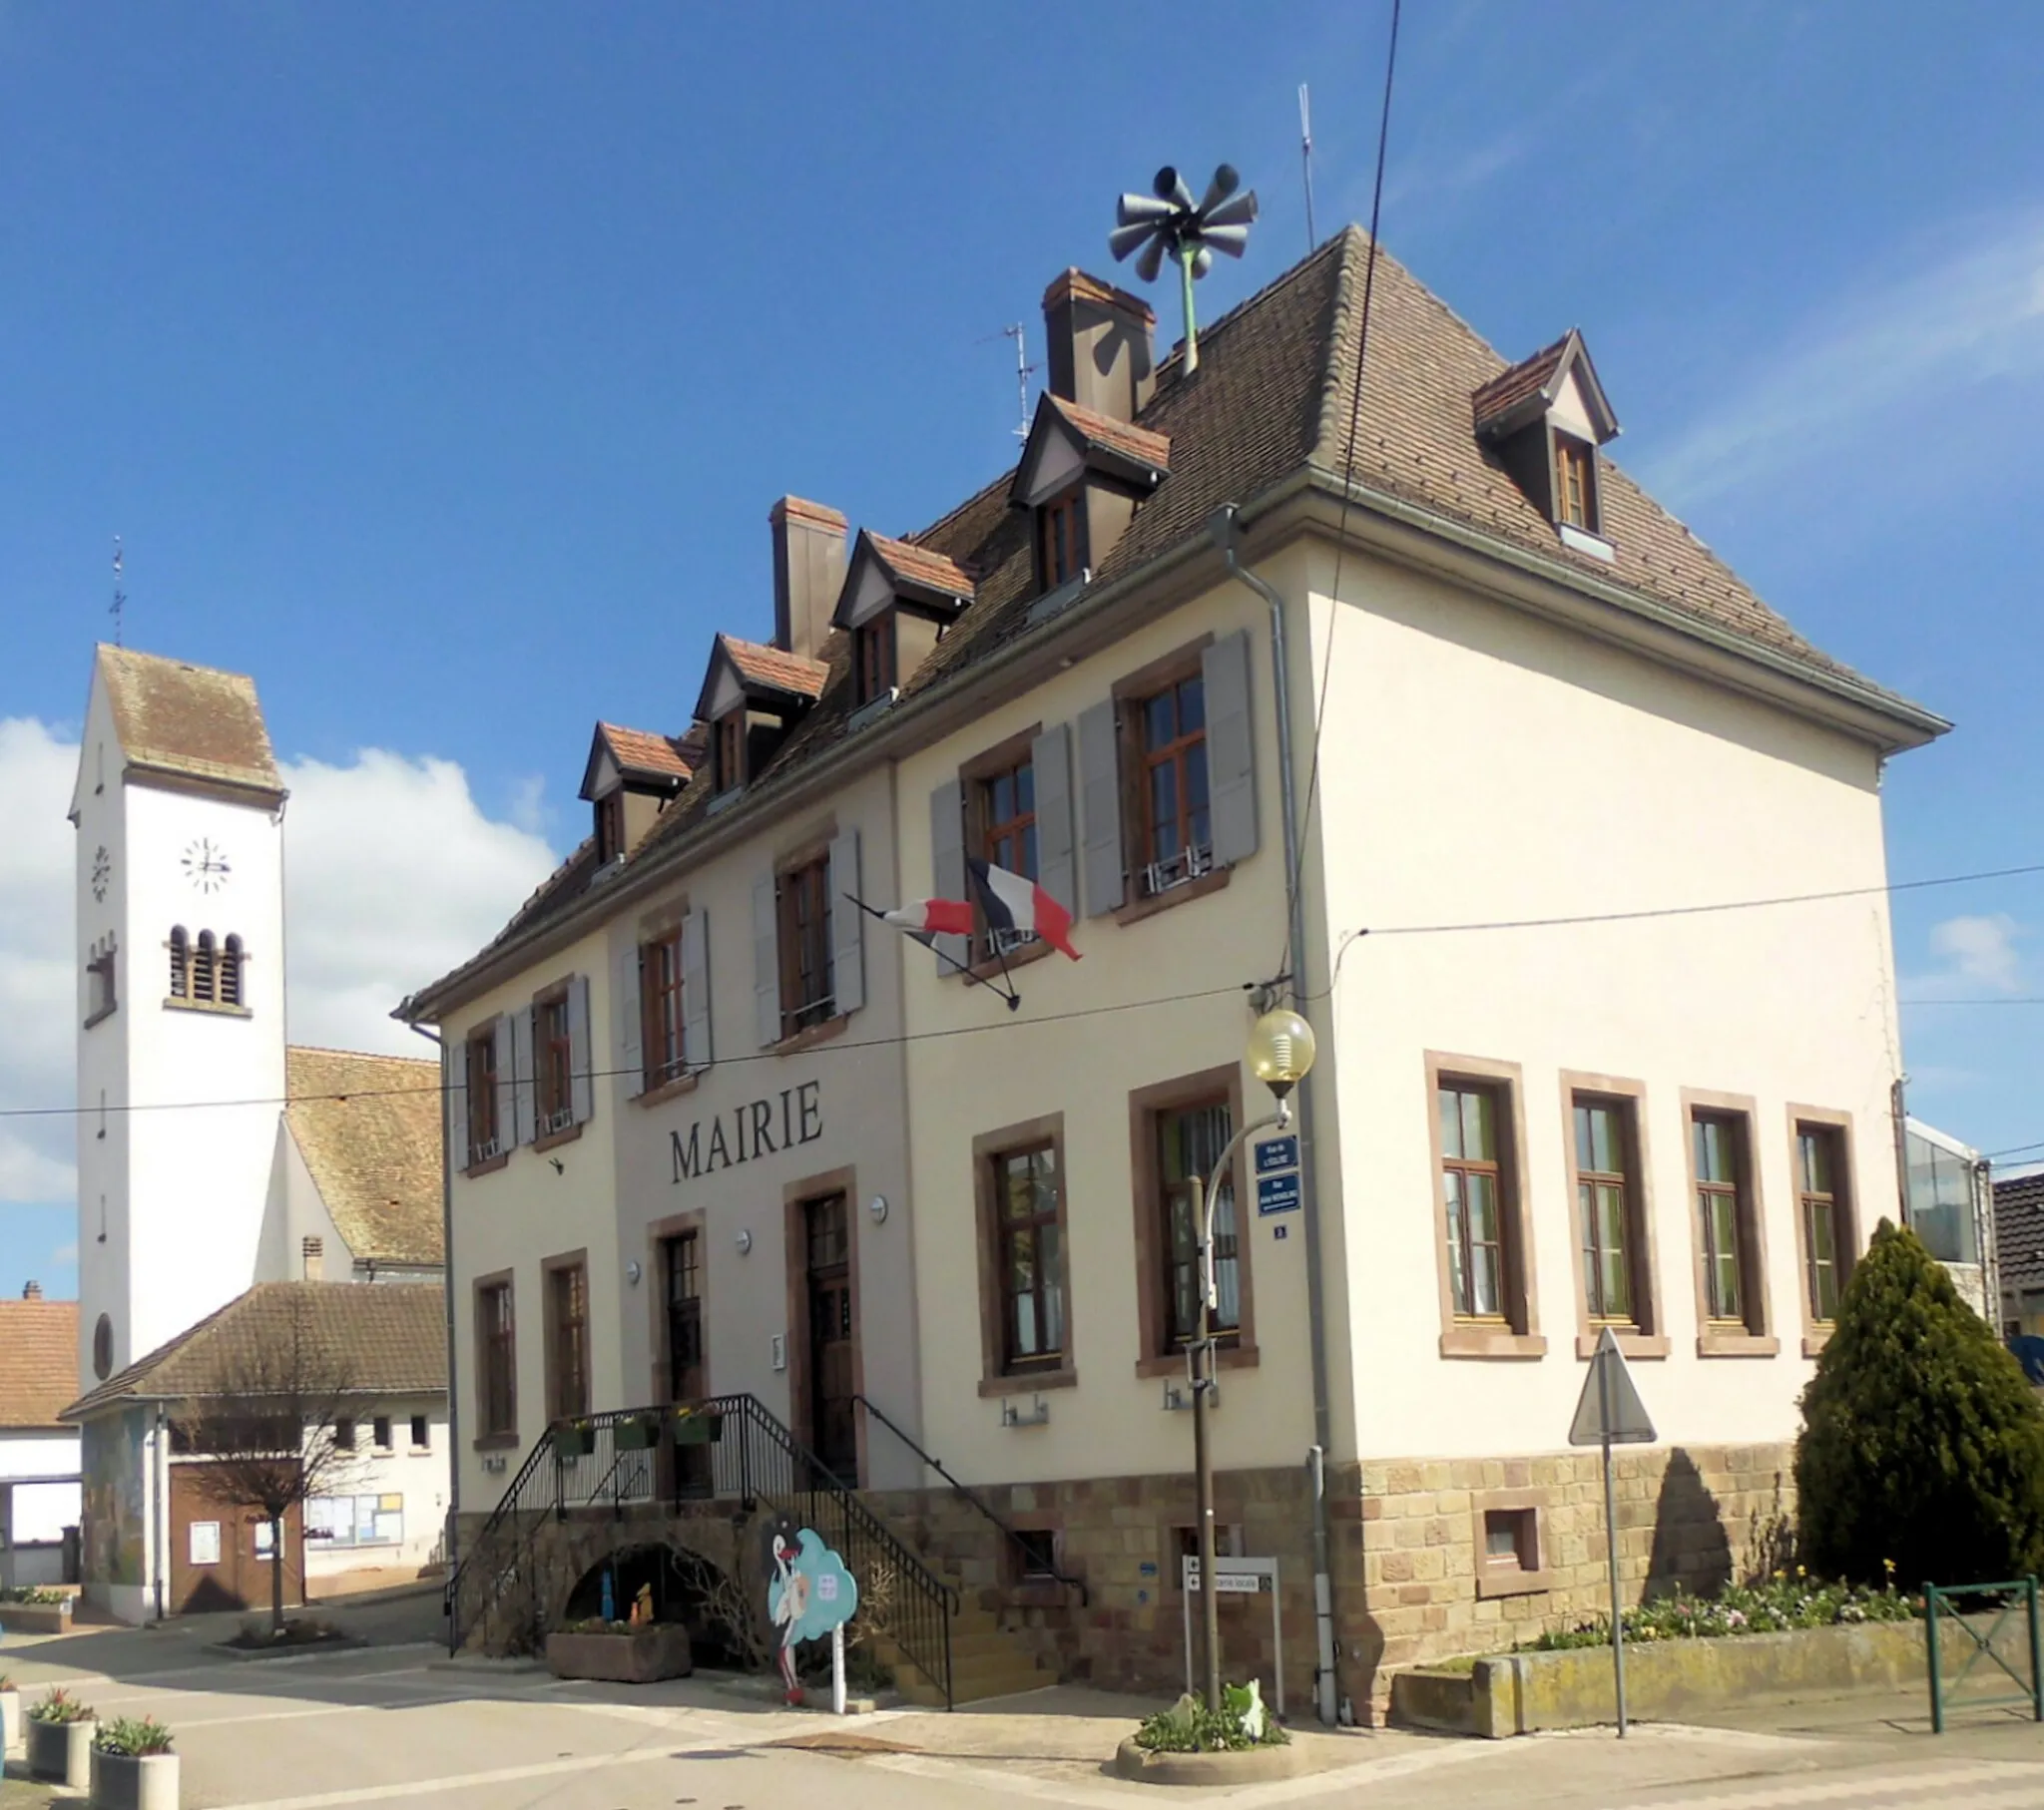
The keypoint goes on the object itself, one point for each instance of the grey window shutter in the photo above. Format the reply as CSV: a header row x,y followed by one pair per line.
x,y
1231,749
1100,792
581,1068
512,1068
765,961
454,1090
948,867
696,990
848,926
1057,857
631,1038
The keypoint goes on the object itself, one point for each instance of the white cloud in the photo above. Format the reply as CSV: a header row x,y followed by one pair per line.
x,y
65,1255
1981,949
1895,349
394,875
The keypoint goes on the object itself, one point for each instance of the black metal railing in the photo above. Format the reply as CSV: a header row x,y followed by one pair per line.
x,y
725,1447
1029,1560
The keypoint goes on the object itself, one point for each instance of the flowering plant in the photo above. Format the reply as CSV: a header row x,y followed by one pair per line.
x,y
1782,1602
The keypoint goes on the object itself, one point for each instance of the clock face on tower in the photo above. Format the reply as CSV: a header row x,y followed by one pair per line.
x,y
101,873
206,864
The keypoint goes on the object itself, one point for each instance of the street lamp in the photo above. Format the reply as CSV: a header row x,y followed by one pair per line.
x,y
1281,1052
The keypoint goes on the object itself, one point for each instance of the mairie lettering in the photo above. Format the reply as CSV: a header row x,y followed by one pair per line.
x,y
757,1128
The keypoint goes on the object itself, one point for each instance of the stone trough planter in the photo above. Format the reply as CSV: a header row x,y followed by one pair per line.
x,y
638,1657
1517,1693
1250,1766
36,1617
61,1752
133,1782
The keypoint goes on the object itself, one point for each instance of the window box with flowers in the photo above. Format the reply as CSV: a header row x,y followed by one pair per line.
x,y
641,1433
699,1427
574,1439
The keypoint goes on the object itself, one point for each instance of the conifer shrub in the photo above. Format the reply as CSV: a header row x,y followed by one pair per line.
x,y
1921,1456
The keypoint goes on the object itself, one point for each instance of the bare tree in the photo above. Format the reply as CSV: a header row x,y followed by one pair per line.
x,y
266,1423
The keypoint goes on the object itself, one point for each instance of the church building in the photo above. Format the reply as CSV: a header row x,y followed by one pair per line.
x,y
211,1155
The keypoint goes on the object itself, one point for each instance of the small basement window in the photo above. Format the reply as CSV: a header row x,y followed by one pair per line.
x,y
1036,1553
1511,1540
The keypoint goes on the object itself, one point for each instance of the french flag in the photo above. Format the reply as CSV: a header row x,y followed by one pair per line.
x,y
932,917
1014,903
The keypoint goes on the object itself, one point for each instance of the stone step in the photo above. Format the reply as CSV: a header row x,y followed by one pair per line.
x,y
973,1683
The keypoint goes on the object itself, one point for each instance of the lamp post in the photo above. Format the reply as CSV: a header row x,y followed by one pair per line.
x,y
1280,1051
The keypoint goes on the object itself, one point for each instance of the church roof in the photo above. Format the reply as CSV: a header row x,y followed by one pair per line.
x,y
386,1339
39,1373
368,1128
174,717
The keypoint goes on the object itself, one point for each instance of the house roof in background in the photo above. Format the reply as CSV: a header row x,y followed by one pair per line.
x,y
175,717
38,1362
368,1128
1274,394
2019,1230
388,1340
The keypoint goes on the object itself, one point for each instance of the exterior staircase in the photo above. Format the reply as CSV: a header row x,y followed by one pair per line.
x,y
986,1662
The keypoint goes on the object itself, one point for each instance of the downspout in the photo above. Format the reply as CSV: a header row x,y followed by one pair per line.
x,y
1223,526
162,1517
448,1532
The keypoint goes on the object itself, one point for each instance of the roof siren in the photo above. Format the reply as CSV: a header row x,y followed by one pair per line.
x,y
1167,224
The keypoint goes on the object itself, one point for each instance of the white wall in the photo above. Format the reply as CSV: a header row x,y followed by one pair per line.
x,y
41,1511
294,1212
417,1475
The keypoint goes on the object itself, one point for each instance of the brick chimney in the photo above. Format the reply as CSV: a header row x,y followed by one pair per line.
x,y
1099,344
31,1292
314,1255
809,572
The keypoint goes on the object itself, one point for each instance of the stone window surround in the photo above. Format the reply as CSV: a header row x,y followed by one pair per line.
x,y
1713,1339
1816,1333
1005,755
554,993
497,1438
1521,1336
1145,1190
796,1259
1130,694
1647,1337
995,1377
658,1232
1494,1579
549,1267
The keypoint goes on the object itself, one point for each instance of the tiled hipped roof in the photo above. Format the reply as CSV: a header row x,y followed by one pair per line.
x,y
384,1338
38,1362
187,719
1274,395
920,566
1509,388
2019,1230
642,752
368,1128
777,669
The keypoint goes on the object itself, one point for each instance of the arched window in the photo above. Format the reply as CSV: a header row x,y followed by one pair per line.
x,y
203,968
181,964
230,973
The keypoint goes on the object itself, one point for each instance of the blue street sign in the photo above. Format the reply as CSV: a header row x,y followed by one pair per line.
x,y
1278,1193
1277,1154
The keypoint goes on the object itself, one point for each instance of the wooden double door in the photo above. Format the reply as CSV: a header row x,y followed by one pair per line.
x,y
220,1555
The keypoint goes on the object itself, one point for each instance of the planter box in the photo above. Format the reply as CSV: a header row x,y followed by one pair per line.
x,y
573,1442
133,1782
61,1752
699,1428
636,1435
1516,1693
640,1658
36,1617
1249,1766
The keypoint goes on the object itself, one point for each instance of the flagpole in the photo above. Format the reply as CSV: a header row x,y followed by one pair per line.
x,y
944,955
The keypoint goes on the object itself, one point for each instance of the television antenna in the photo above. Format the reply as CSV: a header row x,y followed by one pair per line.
x,y
1024,370
1306,158
120,602
1169,223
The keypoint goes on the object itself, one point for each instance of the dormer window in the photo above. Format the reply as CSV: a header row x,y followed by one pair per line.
x,y
730,760
610,826
753,698
1060,539
899,598
1575,484
632,776
873,657
1545,418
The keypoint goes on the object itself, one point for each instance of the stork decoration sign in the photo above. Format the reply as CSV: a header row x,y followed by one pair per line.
x,y
810,1594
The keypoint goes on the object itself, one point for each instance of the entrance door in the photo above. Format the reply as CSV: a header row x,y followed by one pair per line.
x,y
219,1554
833,1430
681,1263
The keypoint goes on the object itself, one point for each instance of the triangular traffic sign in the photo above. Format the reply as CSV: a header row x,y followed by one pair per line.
x,y
1610,1408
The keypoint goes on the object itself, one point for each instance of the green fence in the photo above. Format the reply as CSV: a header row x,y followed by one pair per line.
x,y
1942,1609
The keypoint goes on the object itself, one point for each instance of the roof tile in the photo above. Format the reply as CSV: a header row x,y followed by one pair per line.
x,y
775,666
38,1362
644,751
193,720
920,566
368,1128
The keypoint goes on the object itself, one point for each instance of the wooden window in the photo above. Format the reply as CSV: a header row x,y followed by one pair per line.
x,y
1472,1126
1060,539
1005,811
422,1434
204,968
660,1005
610,826
802,897
181,964
343,1435
1717,1153
496,1361
567,1335
380,1431
1574,484
1173,824
874,657
1189,1139
1607,1208
1030,1257
554,1062
230,972
483,1129
1822,1201
730,753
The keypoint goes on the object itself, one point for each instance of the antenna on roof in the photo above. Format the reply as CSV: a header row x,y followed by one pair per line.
x,y
1169,222
1024,370
119,602
1306,158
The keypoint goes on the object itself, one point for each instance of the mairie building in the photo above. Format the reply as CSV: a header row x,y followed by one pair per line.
x,y
907,1223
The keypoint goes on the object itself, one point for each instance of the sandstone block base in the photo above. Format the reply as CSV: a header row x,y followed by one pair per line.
x,y
640,1658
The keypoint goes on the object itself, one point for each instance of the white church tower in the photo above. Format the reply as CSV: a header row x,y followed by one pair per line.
x,y
179,809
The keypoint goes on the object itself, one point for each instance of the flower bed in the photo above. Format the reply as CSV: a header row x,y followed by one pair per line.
x,y
35,1611
1785,1602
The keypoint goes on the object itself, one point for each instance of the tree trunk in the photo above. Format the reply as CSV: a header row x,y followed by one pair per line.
x,y
277,1577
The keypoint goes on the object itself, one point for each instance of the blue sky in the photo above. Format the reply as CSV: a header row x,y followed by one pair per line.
x,y
439,364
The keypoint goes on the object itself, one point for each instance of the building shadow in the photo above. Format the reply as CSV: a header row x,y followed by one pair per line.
x,y
1692,1552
